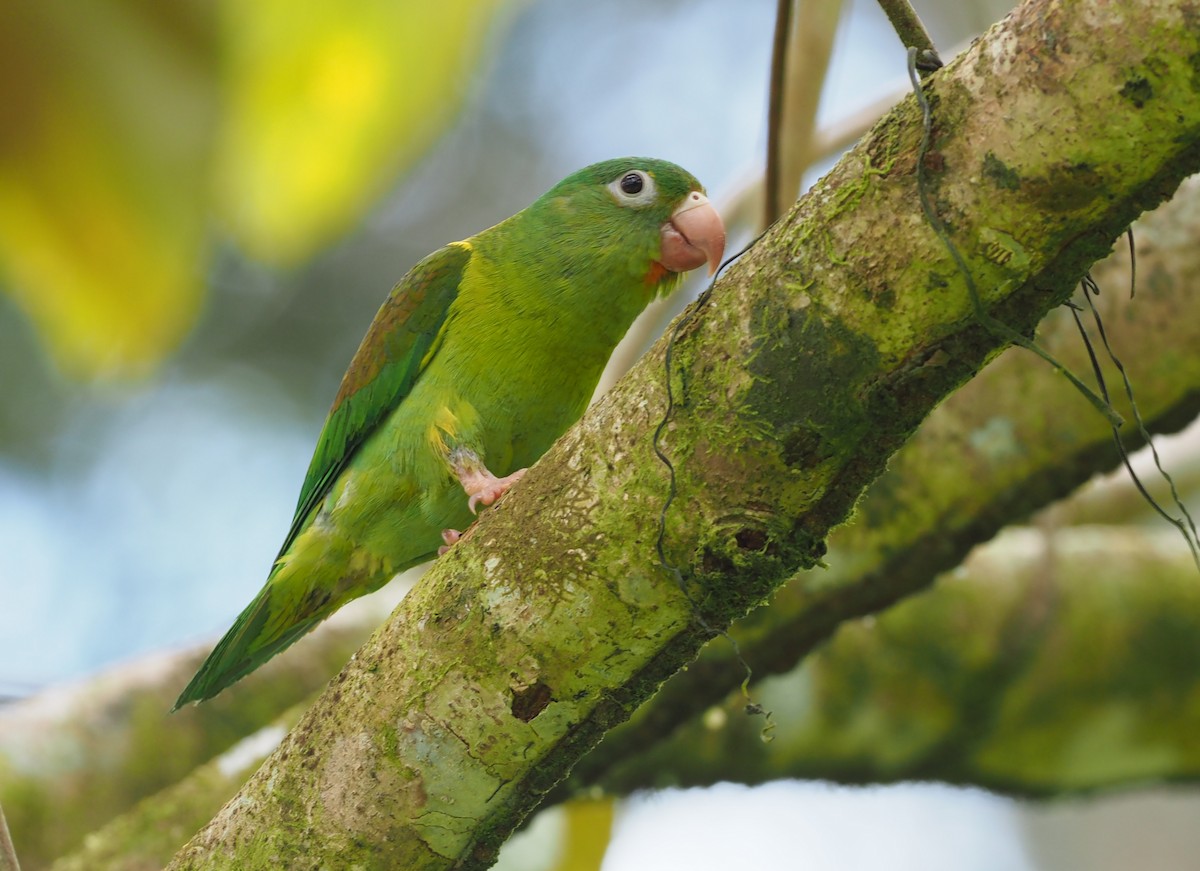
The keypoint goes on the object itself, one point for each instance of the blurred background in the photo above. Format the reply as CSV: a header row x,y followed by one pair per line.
x,y
201,206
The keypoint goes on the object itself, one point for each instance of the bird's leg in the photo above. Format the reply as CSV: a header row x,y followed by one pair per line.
x,y
480,485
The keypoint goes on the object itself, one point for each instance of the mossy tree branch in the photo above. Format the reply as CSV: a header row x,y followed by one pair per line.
x,y
997,448
1009,442
817,356
912,32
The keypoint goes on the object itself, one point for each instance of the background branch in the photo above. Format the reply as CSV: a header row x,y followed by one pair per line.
x,y
1079,676
74,757
912,33
804,35
8,853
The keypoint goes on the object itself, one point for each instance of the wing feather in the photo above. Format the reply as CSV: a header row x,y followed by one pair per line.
x,y
383,371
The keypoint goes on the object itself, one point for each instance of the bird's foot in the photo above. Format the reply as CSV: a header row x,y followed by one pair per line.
x,y
481,486
451,537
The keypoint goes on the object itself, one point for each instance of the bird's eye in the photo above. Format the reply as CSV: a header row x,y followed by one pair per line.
x,y
634,188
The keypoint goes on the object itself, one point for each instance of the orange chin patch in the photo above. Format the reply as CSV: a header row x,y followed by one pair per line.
x,y
655,274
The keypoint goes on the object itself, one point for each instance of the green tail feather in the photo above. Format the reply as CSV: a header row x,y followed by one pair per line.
x,y
241,651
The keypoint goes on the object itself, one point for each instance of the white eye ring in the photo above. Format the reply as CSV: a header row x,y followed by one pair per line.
x,y
635,187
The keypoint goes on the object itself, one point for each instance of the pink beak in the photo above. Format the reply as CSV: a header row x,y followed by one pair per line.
x,y
693,236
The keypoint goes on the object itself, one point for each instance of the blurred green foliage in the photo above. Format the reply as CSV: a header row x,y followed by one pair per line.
x,y
131,130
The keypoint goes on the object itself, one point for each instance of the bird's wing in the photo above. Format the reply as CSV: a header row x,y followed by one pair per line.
x,y
383,371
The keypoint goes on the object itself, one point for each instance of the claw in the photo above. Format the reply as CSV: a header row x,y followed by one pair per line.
x,y
451,537
484,488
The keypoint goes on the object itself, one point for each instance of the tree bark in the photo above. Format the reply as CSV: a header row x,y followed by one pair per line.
x,y
1009,442
815,358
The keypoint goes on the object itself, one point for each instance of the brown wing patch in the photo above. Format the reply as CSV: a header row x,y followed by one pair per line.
x,y
398,313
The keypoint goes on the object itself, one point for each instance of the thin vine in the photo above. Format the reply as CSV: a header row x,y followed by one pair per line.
x,y
751,706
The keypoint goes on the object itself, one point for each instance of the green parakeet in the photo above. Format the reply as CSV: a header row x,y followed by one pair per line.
x,y
476,362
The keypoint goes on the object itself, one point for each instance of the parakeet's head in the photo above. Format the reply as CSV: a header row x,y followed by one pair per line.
x,y
643,216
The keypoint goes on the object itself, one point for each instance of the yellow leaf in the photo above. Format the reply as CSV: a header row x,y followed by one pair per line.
x,y
101,231
328,101
588,831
